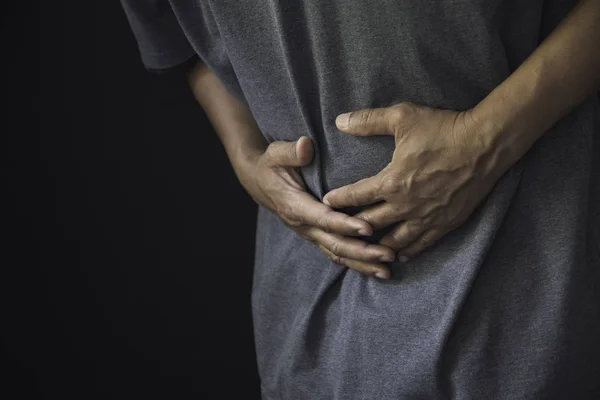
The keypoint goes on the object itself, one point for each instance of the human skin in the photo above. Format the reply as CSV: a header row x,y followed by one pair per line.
x,y
269,173
445,162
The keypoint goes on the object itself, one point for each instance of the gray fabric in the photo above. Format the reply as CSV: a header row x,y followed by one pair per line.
x,y
505,307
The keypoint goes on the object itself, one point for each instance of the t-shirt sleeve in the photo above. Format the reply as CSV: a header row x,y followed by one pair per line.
x,y
159,36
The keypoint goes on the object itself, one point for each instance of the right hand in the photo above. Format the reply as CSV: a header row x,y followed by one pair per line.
x,y
274,182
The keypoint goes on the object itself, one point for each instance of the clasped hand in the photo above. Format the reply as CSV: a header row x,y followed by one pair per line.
x,y
441,169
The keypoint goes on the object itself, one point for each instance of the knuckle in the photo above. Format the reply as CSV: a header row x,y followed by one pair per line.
x,y
270,154
322,222
405,108
291,151
353,196
337,259
287,216
424,241
369,252
399,239
446,202
368,218
405,116
303,232
390,185
365,247
430,220
282,211
365,117
284,219
335,248
294,224
429,214
398,112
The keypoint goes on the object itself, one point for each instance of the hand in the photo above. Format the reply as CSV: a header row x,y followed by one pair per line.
x,y
273,181
440,171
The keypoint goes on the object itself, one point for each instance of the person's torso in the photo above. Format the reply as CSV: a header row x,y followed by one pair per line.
x,y
494,306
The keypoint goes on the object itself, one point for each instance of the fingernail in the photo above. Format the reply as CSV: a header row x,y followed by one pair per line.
x,y
386,258
342,120
363,232
403,259
381,275
326,202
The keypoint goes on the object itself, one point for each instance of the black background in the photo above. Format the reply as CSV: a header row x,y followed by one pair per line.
x,y
127,264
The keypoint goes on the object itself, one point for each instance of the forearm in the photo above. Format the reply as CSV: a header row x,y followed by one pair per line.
x,y
233,122
557,77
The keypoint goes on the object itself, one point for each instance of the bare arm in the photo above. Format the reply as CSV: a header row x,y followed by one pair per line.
x,y
233,122
558,76
446,161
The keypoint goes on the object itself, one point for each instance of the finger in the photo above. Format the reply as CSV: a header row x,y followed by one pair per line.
x,y
365,191
370,121
381,215
290,154
311,212
420,244
372,269
403,235
347,247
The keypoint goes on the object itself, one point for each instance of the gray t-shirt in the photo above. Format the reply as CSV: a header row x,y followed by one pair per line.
x,y
505,307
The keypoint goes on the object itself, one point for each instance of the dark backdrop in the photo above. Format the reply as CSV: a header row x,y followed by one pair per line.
x,y
128,262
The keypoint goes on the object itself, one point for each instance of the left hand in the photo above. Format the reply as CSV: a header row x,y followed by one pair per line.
x,y
442,168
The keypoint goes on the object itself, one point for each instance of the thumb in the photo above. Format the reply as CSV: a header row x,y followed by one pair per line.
x,y
370,121
290,154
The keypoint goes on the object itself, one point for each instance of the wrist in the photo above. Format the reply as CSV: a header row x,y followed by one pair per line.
x,y
244,158
503,132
